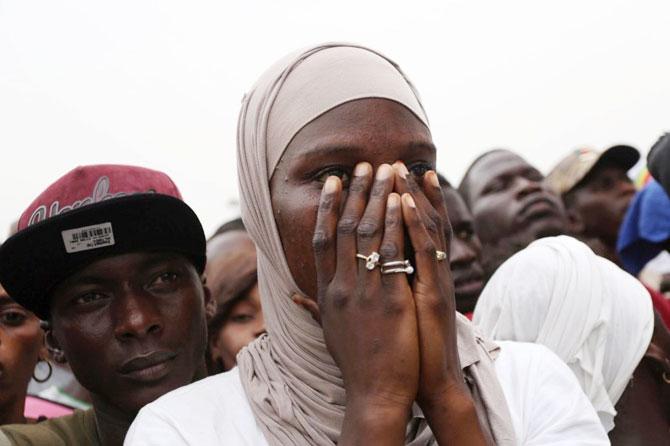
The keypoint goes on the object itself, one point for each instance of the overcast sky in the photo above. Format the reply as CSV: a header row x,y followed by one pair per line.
x,y
159,83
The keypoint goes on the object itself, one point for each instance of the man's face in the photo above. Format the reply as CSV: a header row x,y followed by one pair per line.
x,y
132,327
600,201
509,201
464,253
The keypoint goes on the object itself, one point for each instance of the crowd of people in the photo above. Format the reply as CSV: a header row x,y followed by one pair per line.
x,y
361,298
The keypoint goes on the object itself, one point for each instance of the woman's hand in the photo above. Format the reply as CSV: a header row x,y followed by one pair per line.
x,y
442,395
369,319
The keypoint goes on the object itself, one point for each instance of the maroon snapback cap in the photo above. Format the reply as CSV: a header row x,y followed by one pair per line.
x,y
90,213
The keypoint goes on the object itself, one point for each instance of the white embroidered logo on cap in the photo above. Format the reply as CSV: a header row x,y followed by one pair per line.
x,y
88,237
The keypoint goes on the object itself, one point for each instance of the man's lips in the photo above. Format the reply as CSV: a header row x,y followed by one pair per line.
x,y
149,366
469,282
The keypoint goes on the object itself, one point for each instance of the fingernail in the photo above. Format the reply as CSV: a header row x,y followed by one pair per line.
x,y
362,169
409,201
432,177
331,185
401,169
393,200
384,171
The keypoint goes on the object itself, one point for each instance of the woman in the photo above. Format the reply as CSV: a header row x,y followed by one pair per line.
x,y
21,347
390,361
598,319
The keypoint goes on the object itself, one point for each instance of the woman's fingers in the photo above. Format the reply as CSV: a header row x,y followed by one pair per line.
x,y
405,183
324,237
354,206
371,226
392,248
422,243
433,192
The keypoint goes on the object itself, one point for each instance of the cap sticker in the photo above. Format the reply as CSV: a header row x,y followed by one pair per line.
x,y
88,237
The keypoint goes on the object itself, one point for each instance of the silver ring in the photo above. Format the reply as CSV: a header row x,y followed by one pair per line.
x,y
397,266
371,261
440,255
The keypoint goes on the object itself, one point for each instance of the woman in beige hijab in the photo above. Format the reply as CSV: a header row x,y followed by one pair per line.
x,y
339,193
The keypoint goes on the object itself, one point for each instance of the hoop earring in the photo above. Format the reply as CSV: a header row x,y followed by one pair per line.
x,y
49,373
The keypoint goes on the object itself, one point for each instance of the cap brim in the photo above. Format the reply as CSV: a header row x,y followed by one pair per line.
x,y
621,155
34,260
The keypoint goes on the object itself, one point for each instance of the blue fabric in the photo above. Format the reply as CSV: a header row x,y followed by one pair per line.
x,y
645,229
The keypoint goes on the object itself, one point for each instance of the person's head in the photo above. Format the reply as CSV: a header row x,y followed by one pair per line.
x,y
596,190
231,276
21,347
596,317
510,205
465,250
112,258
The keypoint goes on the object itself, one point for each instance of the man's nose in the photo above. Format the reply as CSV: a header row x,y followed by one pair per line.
x,y
136,316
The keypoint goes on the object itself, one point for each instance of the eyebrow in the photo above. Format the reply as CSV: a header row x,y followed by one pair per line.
x,y
151,262
350,150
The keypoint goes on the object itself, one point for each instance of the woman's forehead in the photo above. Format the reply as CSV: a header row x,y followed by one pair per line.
x,y
361,127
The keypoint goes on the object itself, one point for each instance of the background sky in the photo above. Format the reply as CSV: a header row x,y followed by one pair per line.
x,y
159,83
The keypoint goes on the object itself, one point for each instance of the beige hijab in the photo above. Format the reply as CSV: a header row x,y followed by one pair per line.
x,y
293,384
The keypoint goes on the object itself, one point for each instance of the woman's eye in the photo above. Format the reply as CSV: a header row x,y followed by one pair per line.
x,y
339,172
419,169
241,318
12,318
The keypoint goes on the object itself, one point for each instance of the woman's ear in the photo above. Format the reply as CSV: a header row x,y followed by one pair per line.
x,y
53,347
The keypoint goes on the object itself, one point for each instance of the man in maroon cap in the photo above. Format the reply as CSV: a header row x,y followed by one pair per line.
x,y
596,192
111,257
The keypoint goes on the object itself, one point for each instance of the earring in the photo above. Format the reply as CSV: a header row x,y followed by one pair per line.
x,y
49,373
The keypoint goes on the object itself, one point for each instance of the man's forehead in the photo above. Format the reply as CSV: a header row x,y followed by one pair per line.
x,y
493,165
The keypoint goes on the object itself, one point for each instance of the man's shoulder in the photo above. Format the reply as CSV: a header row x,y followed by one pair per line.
x,y
77,428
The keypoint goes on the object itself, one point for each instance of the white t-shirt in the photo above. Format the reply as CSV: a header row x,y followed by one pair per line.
x,y
546,403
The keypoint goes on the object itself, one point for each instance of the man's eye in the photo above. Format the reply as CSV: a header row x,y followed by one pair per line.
x,y
88,298
464,234
13,318
168,277
340,172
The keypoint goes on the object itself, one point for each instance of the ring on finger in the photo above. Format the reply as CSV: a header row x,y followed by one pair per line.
x,y
397,266
440,255
371,261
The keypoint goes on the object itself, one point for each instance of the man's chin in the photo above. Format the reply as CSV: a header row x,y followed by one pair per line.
x,y
465,302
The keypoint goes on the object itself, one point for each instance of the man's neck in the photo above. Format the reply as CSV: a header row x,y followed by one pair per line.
x,y
112,424
12,412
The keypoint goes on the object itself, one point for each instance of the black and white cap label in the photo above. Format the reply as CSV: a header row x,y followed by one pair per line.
x,y
88,237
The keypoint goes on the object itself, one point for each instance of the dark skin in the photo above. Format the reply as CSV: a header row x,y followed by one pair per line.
x,y
511,206
21,346
643,411
327,208
597,205
132,327
465,252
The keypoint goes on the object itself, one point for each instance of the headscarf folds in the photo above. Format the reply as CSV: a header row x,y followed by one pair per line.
x,y
596,317
293,384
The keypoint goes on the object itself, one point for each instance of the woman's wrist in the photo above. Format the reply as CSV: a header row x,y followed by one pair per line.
x,y
370,421
452,416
